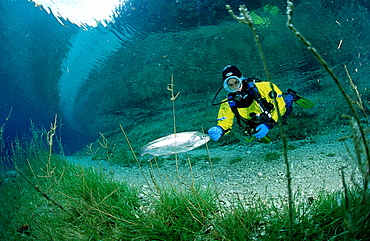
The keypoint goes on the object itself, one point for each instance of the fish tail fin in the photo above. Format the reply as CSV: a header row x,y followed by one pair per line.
x,y
151,157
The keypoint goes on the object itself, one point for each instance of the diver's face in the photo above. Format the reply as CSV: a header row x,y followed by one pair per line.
x,y
234,84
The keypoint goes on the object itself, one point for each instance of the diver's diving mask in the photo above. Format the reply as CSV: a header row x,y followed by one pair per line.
x,y
232,84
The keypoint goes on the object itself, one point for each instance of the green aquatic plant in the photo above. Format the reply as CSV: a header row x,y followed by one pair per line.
x,y
69,201
358,101
261,22
317,218
291,147
271,156
300,125
181,214
85,203
108,148
201,159
236,160
271,9
2,141
264,22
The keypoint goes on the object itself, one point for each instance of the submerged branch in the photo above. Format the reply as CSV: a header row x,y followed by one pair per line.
x,y
246,18
45,195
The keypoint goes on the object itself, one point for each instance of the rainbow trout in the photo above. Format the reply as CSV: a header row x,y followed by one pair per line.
x,y
174,143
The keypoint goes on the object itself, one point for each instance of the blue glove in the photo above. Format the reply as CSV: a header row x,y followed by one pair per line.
x,y
262,131
215,133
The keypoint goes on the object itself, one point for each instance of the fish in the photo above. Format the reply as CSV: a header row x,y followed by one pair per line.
x,y
173,144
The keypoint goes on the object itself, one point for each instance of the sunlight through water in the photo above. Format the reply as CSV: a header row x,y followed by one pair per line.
x,y
84,13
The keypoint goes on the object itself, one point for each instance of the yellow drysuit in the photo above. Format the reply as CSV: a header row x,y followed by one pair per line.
x,y
226,116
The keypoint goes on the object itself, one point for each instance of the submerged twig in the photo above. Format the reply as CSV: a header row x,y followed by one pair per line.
x,y
246,18
347,214
49,138
134,155
358,102
210,162
2,128
171,87
45,195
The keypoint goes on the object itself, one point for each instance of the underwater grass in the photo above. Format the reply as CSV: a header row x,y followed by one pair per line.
x,y
92,206
180,214
87,200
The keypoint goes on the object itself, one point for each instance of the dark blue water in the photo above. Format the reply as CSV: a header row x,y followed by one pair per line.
x,y
52,66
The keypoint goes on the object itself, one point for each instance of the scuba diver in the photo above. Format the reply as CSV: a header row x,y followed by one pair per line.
x,y
252,102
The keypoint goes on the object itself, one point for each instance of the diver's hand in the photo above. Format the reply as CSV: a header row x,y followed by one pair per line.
x,y
262,131
215,133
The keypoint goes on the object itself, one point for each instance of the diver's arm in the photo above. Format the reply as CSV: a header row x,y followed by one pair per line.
x,y
224,122
225,117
